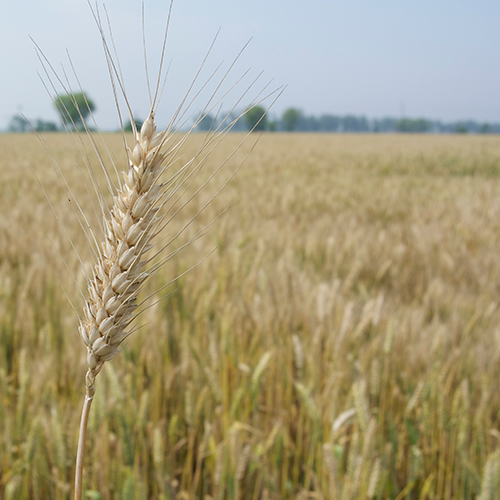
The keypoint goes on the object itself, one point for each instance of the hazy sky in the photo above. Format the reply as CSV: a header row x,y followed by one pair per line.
x,y
433,58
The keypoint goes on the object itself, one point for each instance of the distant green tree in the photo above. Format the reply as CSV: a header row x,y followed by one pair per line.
x,y
461,129
256,118
74,108
18,124
327,123
351,123
290,119
418,125
128,125
237,125
43,126
206,123
485,129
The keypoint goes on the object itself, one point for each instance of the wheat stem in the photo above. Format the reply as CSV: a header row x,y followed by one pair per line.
x,y
81,446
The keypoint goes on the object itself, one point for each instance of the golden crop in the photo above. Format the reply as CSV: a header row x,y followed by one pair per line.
x,y
342,342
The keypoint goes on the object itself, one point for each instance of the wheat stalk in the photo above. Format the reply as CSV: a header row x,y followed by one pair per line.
x,y
118,274
144,204
135,219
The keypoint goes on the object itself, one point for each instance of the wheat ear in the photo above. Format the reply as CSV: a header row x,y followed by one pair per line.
x,y
118,274
142,208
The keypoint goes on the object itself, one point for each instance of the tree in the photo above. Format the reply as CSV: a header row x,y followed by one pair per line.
x,y
290,119
18,124
485,128
328,123
351,123
418,125
74,108
232,119
206,123
256,118
43,126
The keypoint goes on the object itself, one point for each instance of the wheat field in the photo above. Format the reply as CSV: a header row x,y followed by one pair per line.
x,y
340,341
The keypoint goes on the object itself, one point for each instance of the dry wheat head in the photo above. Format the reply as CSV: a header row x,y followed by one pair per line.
x,y
119,272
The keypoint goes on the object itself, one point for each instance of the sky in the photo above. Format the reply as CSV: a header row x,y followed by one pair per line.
x,y
438,59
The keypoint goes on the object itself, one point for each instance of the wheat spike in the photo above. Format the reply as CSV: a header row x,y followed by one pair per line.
x,y
491,477
143,205
118,275
374,481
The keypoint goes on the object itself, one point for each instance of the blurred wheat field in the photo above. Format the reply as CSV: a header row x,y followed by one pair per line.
x,y
342,342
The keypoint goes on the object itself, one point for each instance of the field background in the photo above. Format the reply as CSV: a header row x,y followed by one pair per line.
x,y
342,342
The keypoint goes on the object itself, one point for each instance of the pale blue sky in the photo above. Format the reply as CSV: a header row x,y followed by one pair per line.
x,y
434,58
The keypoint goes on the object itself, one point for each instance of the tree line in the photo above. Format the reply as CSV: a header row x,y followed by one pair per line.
x,y
74,108
293,120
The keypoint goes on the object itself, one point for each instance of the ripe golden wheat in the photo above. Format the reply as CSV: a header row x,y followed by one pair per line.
x,y
358,363
119,272
118,275
153,191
